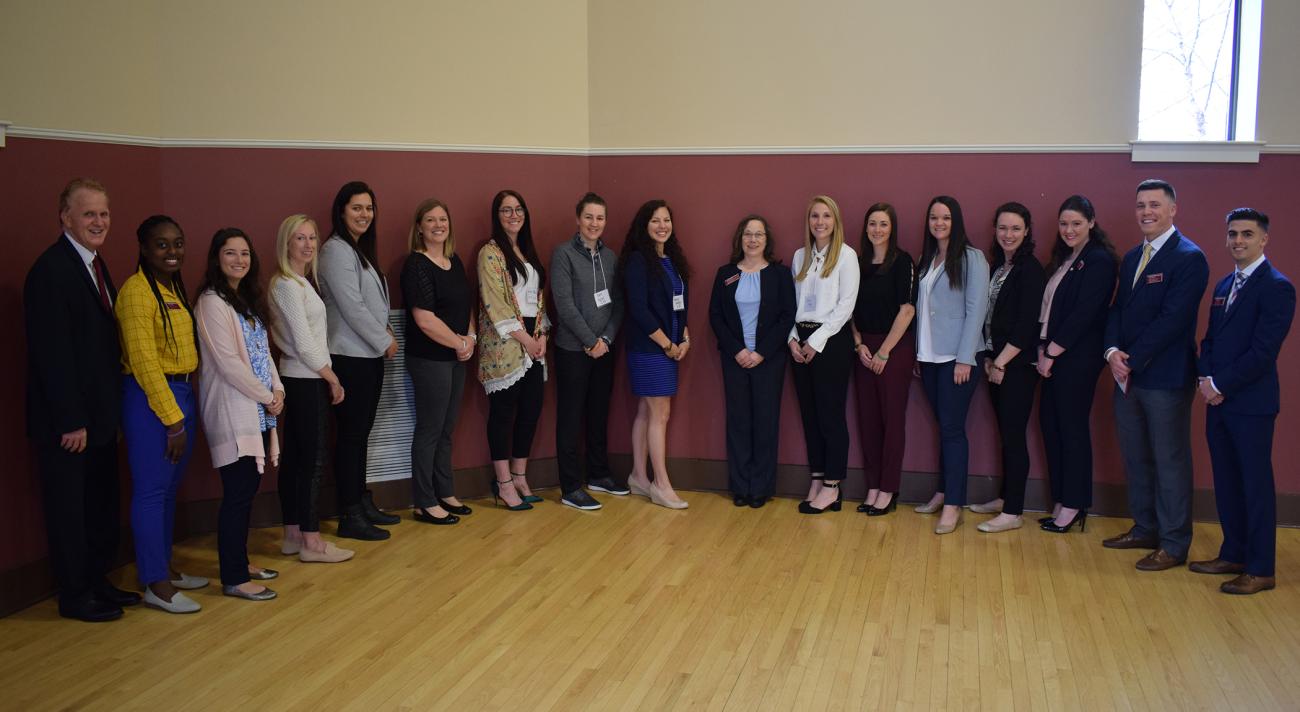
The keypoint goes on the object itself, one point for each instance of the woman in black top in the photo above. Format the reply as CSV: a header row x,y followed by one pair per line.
x,y
886,349
1010,350
1084,267
439,339
752,311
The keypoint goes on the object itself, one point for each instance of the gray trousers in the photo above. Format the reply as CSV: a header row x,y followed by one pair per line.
x,y
1155,438
438,387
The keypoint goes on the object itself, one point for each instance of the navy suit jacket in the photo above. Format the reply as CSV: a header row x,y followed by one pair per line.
x,y
776,309
1241,344
1077,321
1154,321
649,305
74,357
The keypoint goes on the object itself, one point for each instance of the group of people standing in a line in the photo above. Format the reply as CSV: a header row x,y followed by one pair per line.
x,y
101,359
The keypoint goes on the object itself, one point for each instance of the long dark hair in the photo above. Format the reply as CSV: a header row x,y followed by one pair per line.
x,y
1096,236
737,240
143,234
514,266
365,243
639,242
1026,250
955,260
891,247
249,300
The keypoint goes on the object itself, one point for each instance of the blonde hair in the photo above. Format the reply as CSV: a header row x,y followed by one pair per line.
x,y
284,270
416,241
837,239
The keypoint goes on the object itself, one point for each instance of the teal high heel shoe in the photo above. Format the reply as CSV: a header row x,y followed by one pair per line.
x,y
496,497
527,497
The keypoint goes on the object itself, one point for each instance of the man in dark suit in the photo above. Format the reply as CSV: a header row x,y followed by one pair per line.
x,y
74,401
1250,316
1151,349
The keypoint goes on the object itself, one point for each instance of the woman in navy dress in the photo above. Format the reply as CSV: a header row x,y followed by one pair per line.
x,y
654,274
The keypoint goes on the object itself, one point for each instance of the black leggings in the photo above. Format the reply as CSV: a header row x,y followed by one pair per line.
x,y
304,424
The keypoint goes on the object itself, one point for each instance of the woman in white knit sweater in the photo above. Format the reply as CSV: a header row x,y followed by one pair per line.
x,y
310,386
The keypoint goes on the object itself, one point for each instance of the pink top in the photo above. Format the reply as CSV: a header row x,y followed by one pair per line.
x,y
1049,292
228,390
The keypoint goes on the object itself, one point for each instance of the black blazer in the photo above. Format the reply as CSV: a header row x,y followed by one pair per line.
x,y
1015,315
1077,321
74,358
776,309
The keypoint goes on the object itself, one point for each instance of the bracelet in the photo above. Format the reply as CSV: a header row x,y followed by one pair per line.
x,y
178,433
473,336
881,357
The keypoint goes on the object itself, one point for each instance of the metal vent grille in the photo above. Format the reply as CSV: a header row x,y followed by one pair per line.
x,y
390,440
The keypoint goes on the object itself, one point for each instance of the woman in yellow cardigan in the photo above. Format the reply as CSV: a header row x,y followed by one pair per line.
x,y
512,349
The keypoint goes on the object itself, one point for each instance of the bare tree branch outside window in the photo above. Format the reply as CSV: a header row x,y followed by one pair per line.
x,y
1186,70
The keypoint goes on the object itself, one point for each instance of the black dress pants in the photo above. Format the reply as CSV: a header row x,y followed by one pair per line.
x,y
1065,416
302,460
82,515
753,424
1013,400
239,482
823,390
363,380
583,388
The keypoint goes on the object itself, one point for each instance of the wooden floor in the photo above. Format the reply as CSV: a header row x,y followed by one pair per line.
x,y
638,607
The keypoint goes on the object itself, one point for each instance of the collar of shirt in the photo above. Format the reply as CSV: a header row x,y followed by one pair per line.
x,y
1250,268
582,246
87,256
1161,239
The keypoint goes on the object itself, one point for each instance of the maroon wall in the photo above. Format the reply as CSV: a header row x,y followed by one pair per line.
x,y
205,189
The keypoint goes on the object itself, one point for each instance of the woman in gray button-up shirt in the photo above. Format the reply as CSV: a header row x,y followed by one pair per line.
x,y
356,304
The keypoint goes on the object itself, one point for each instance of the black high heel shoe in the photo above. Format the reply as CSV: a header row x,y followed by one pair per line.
x,y
808,508
1080,517
496,497
525,497
881,511
457,509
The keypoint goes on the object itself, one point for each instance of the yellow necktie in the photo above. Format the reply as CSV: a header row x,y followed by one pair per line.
x,y
1146,257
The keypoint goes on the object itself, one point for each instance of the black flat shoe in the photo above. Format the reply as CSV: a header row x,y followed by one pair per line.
x,y
740,500
354,525
864,508
756,502
111,594
422,516
457,509
373,514
91,610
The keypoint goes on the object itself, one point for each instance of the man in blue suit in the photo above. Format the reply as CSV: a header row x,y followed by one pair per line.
x,y
1250,315
1151,349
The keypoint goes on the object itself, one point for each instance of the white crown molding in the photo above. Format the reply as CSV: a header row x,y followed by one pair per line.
x,y
1200,152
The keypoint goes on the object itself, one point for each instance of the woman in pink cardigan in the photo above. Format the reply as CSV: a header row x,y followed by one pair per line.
x,y
240,395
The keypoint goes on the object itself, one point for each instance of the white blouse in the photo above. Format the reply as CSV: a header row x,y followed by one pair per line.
x,y
526,291
825,300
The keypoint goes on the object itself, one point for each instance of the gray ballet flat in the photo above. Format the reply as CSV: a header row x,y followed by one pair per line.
x,y
234,591
263,575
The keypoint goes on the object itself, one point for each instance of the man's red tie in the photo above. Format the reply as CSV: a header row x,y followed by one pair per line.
x,y
101,278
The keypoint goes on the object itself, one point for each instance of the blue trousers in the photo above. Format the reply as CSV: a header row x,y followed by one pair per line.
x,y
951,404
1241,450
154,479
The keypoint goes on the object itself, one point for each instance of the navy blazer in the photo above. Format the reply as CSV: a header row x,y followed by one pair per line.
x,y
1154,322
74,357
649,305
1015,315
1077,320
776,309
1241,344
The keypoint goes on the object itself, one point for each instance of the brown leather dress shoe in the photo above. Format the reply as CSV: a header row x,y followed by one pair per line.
x,y
1129,540
1216,566
1159,560
1246,584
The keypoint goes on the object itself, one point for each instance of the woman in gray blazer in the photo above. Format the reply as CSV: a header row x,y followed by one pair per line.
x,y
356,312
951,302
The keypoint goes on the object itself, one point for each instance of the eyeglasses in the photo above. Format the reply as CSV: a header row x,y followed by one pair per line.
x,y
748,234
508,211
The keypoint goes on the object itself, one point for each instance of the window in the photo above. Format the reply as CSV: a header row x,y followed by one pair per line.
x,y
1200,70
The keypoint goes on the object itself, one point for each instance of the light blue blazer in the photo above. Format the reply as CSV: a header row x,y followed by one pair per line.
x,y
955,317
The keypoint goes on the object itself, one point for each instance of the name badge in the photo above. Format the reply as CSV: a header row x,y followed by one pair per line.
x,y
530,297
602,298
679,302
173,306
810,302
1155,278
1220,301
731,280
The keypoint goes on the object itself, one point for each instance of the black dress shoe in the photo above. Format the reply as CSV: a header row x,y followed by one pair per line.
x,y
373,514
457,509
91,610
756,502
423,516
109,593
740,500
354,525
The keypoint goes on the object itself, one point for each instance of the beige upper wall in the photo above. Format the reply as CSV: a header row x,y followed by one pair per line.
x,y
601,73
863,72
